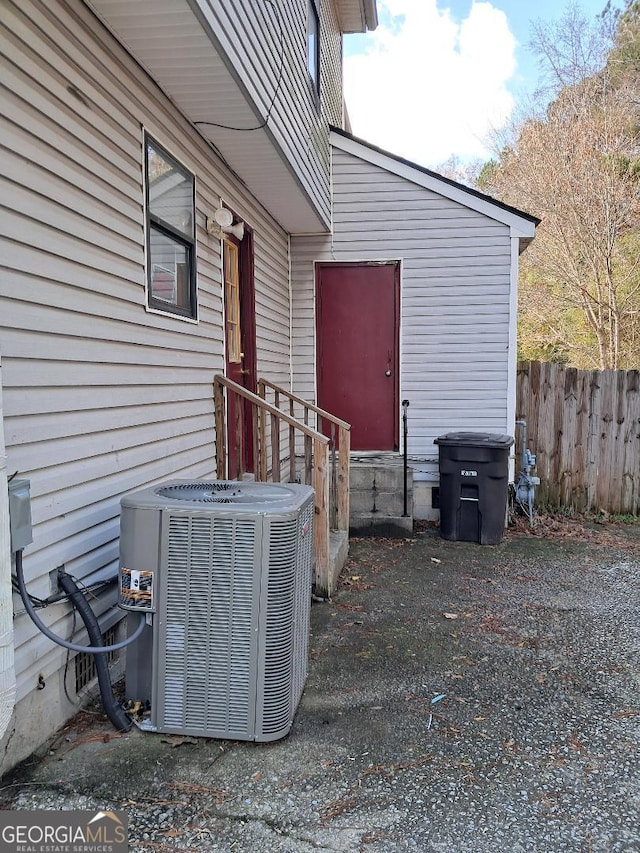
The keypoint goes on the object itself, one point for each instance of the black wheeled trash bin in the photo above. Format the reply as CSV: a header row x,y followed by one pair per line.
x,y
474,485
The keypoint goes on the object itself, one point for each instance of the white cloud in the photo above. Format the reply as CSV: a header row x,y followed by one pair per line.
x,y
429,86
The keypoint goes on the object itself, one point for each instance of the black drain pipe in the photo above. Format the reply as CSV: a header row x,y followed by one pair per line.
x,y
109,702
405,406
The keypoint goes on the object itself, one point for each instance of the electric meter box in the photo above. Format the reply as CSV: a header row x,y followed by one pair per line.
x,y
20,514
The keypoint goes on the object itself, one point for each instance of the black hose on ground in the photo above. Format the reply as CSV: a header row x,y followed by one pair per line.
x,y
109,702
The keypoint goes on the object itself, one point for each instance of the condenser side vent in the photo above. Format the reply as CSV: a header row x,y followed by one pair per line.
x,y
206,636
278,662
302,616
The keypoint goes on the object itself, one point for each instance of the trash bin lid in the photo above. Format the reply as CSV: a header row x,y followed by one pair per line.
x,y
474,439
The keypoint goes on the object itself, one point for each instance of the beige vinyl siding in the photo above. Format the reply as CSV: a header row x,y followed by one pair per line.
x,y
101,396
249,34
455,291
331,96
304,252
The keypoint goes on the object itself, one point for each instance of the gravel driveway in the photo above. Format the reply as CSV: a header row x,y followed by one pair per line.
x,y
460,698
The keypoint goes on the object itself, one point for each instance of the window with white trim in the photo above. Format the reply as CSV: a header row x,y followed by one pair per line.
x,y
171,244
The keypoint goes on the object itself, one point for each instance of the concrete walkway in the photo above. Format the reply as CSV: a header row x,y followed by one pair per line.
x,y
531,649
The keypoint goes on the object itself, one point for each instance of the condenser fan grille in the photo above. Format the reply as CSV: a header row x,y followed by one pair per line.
x,y
225,493
199,492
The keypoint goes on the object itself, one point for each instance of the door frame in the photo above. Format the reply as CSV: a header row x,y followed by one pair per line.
x,y
396,263
246,282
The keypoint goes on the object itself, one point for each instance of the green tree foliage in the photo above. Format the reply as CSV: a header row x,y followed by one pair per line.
x,y
576,165
624,58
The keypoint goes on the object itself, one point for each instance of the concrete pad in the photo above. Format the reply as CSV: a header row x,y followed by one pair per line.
x,y
460,699
380,524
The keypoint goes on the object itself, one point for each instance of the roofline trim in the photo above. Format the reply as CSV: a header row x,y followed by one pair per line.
x,y
370,13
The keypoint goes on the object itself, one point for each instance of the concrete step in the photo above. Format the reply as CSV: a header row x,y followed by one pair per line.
x,y
379,524
385,478
379,488
371,500
377,499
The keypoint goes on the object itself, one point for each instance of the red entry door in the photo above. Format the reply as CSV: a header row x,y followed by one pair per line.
x,y
357,334
240,335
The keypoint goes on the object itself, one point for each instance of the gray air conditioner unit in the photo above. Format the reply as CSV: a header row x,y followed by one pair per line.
x,y
224,571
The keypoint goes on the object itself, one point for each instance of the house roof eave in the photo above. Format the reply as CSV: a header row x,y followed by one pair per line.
x,y
370,14
357,16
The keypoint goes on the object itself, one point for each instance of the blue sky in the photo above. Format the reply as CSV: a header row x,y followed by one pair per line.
x,y
520,14
438,76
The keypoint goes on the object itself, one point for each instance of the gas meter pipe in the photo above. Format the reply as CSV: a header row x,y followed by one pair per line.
x,y
405,406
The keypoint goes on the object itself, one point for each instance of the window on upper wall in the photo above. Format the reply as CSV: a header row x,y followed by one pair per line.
x,y
171,245
313,45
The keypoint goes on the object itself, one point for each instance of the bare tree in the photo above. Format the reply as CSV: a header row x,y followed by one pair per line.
x,y
462,171
576,165
577,170
573,48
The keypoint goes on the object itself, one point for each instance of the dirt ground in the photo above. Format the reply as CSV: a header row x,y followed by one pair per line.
x,y
460,698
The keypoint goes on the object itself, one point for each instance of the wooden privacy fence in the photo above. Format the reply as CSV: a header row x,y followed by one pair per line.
x,y
584,427
273,452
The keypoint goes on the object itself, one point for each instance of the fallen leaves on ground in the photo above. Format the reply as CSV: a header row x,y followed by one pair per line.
x,y
352,608
194,789
178,740
354,583
555,525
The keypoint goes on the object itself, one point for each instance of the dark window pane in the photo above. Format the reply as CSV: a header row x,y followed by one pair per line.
x,y
169,271
170,192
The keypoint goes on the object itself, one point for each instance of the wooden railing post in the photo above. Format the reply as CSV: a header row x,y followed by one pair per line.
x,y
220,420
344,445
292,446
317,460
321,484
308,456
338,497
255,439
275,449
239,437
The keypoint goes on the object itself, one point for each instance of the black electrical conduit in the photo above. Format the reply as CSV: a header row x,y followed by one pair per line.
x,y
109,702
112,709
67,644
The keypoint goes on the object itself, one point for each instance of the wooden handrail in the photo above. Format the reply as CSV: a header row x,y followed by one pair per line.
x,y
339,474
307,405
316,455
241,391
